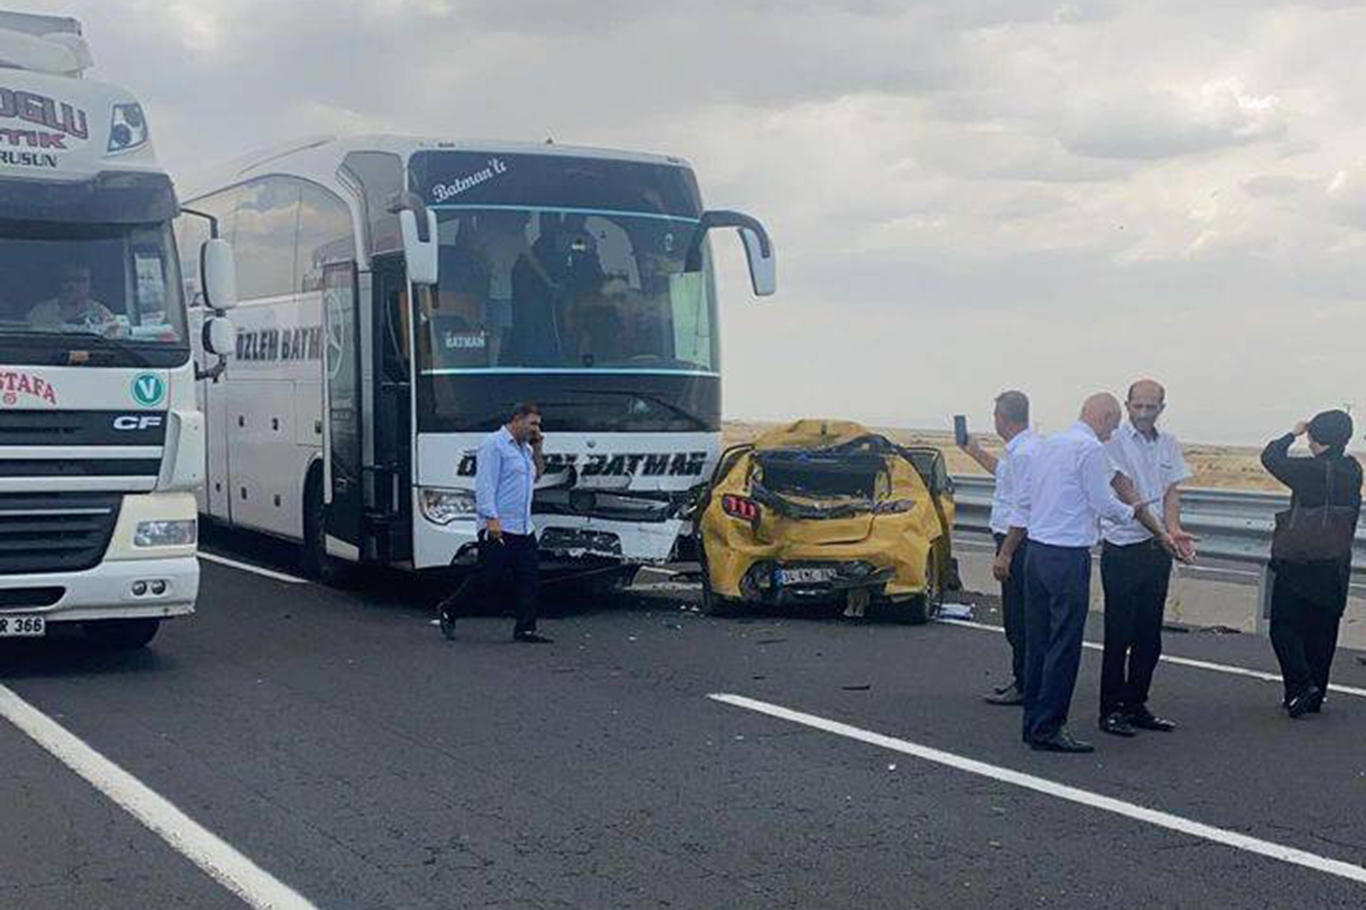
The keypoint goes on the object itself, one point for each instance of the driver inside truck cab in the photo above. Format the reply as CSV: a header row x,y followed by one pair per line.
x,y
74,307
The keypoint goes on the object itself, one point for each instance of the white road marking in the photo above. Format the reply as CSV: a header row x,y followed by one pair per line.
x,y
1061,791
1180,661
248,567
202,847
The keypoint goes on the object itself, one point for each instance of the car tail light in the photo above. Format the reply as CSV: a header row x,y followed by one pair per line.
x,y
740,507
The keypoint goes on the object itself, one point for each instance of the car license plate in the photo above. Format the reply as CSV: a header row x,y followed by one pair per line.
x,y
22,626
805,576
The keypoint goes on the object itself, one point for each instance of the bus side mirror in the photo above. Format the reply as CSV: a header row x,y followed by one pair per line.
x,y
420,251
763,266
218,274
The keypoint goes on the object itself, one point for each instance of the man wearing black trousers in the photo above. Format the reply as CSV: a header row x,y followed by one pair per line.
x,y
1134,569
1009,511
508,465
1070,490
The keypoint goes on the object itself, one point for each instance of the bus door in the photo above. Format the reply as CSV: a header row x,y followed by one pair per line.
x,y
342,452
391,513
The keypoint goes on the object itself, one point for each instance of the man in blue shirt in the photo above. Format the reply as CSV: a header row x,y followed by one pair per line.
x,y
509,463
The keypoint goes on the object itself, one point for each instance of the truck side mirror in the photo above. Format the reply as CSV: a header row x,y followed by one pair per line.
x,y
419,246
763,266
220,336
218,274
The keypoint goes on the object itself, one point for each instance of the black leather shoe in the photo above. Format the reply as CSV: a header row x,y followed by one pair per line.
x,y
1116,723
1143,719
532,638
1304,702
1010,695
447,623
1062,741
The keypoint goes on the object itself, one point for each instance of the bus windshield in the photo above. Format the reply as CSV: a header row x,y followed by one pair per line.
x,y
113,289
567,288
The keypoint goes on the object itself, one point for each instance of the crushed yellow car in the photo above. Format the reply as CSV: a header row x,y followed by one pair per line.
x,y
825,510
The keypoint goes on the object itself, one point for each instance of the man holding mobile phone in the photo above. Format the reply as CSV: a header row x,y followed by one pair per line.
x,y
1009,518
509,463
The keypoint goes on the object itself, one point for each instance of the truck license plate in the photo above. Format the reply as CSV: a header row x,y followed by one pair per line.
x,y
22,626
805,576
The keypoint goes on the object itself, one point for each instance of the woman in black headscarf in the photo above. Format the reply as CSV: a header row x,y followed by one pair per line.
x,y
1308,596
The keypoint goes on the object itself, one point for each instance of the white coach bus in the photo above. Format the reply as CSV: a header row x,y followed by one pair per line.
x,y
399,296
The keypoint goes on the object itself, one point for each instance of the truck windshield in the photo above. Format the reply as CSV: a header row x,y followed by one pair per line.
x,y
561,288
110,291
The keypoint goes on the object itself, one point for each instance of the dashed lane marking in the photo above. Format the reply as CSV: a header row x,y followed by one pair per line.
x,y
1054,789
1230,669
202,847
248,567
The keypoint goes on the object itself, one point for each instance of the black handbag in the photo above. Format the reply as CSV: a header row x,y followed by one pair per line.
x,y
1317,534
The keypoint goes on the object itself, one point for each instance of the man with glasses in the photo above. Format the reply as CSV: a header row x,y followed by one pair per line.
x,y
1134,567
73,308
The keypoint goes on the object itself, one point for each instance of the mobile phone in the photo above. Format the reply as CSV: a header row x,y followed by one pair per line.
x,y
960,429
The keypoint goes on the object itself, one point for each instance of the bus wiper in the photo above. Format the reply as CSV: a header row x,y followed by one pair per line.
x,y
676,410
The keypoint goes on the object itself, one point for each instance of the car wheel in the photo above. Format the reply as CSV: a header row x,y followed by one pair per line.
x,y
121,634
924,607
713,604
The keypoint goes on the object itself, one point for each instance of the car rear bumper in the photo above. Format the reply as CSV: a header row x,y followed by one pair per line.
x,y
808,581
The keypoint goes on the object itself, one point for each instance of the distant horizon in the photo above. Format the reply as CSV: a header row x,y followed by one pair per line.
x,y
948,431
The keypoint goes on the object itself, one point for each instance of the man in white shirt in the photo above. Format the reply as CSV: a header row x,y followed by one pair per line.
x,y
1134,567
1070,491
1009,517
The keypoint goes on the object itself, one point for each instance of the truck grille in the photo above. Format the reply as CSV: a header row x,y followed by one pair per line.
x,y
55,532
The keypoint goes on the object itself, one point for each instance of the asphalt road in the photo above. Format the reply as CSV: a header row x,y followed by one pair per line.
x,y
338,742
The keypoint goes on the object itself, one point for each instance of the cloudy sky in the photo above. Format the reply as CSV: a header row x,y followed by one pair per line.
x,y
966,196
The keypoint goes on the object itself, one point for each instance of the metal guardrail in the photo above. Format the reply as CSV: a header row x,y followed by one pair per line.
x,y
1233,525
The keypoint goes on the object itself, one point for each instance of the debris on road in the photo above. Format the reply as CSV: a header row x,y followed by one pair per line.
x,y
955,611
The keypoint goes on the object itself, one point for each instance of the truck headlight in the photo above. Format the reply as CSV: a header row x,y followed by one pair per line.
x,y
179,533
128,130
445,506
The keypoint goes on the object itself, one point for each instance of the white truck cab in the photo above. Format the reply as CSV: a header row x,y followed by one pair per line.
x,y
101,442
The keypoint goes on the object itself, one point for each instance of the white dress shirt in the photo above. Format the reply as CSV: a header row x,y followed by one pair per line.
x,y
1070,489
1155,466
1010,499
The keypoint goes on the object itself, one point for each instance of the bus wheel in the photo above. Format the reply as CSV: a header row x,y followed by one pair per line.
x,y
314,561
121,634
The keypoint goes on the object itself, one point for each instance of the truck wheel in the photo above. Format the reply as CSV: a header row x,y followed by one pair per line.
x,y
314,561
121,634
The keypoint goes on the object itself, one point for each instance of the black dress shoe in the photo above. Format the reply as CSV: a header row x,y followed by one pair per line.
x,y
532,638
1116,724
1061,741
1010,695
1304,702
447,620
1143,719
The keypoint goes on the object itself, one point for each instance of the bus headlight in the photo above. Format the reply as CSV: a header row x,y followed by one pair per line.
x,y
445,506
180,533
